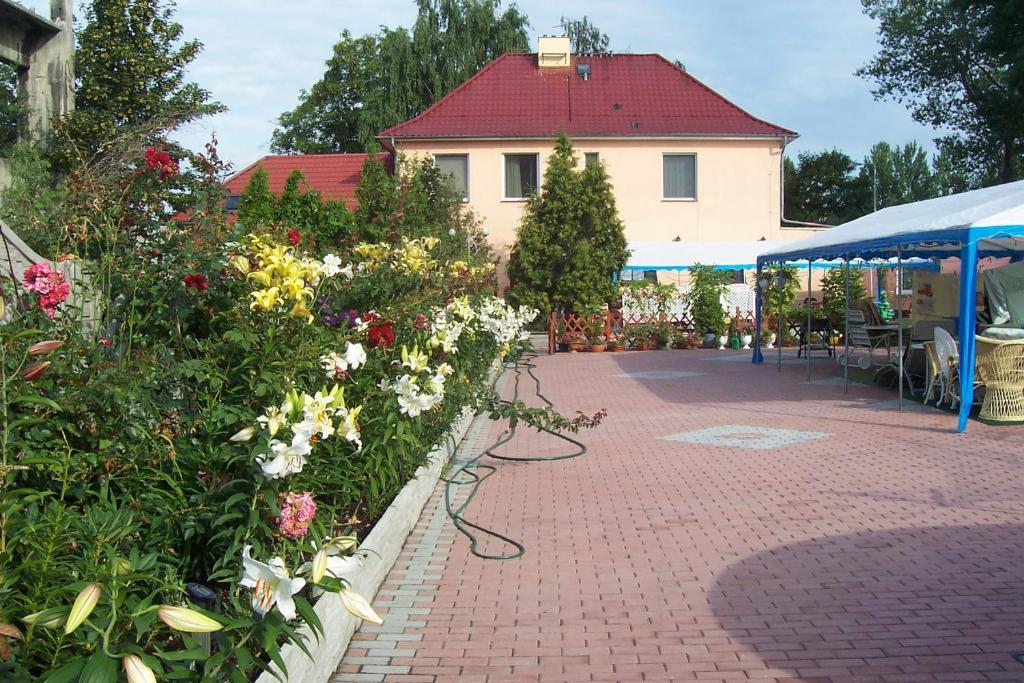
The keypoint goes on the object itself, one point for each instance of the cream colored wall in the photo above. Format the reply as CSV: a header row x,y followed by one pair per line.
x,y
737,186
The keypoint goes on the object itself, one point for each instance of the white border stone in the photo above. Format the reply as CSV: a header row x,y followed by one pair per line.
x,y
386,541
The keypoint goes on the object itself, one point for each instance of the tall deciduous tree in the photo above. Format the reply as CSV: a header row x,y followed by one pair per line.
x,y
898,175
129,69
952,64
373,82
821,187
585,38
570,241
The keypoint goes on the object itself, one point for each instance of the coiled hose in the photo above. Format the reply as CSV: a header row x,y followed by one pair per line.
x,y
473,472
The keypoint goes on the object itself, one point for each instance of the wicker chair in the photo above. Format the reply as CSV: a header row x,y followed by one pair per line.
x,y
1000,368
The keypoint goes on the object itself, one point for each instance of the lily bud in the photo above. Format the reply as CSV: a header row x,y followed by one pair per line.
x,y
39,348
343,543
137,671
122,566
83,607
187,620
34,371
244,434
319,565
357,605
49,618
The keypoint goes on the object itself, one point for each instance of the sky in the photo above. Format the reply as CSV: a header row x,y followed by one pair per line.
x,y
791,62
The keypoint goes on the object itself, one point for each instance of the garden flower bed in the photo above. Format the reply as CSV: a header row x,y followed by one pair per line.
x,y
179,486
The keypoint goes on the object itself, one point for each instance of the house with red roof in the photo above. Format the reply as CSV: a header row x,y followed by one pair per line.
x,y
686,164
333,176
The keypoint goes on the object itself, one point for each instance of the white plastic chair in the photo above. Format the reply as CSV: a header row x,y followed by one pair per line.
x,y
949,360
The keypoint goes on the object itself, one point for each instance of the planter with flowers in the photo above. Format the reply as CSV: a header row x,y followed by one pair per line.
x,y
180,485
598,340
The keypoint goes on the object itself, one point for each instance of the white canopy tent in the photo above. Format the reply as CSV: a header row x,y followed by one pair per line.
x,y
986,222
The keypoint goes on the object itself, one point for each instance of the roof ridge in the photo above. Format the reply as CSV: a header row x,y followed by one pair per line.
x,y
389,132
725,99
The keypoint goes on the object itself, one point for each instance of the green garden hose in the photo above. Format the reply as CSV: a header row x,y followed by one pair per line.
x,y
473,472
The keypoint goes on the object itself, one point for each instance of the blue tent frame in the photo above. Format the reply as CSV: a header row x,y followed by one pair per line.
x,y
954,242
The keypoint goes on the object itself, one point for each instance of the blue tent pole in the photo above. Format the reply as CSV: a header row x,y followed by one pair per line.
x,y
758,356
968,284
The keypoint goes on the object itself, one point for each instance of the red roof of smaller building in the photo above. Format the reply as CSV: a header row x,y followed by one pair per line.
x,y
626,95
334,176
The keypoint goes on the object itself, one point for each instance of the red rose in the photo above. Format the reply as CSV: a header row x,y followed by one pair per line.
x,y
381,335
294,237
196,281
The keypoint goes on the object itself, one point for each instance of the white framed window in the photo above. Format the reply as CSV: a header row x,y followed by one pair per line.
x,y
591,159
679,176
456,167
522,173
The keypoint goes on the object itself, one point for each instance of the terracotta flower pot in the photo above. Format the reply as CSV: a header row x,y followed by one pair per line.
x,y
597,348
616,348
576,346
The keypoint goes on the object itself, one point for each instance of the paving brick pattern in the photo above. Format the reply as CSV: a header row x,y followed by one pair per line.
x,y
885,548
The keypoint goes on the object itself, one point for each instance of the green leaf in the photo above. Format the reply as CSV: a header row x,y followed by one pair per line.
x,y
99,669
308,614
35,399
66,673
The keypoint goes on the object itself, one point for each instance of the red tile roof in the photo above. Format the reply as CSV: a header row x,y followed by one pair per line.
x,y
334,176
626,95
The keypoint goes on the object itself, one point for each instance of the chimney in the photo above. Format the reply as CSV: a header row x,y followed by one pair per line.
x,y
553,51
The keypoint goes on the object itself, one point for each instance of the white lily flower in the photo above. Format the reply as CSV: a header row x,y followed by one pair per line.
x,y
347,271
287,458
270,584
316,411
350,423
445,370
355,355
331,265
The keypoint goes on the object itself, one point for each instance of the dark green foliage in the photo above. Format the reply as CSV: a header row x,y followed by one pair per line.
x,y
822,188
571,240
130,67
10,109
257,207
377,195
376,81
585,38
900,174
770,301
707,285
957,66
833,290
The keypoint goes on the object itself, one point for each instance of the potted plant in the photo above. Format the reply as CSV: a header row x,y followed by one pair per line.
x,y
615,342
664,334
577,341
562,337
746,337
598,340
734,334
707,286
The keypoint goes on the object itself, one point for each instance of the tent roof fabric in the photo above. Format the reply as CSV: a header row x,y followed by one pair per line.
x,y
993,216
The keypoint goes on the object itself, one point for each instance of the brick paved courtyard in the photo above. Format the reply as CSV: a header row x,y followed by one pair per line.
x,y
728,523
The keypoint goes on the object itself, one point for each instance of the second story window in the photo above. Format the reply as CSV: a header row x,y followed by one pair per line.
x,y
456,167
521,174
679,172
591,159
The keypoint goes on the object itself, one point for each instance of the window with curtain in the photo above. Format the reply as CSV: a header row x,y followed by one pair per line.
x,y
456,167
521,173
680,176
